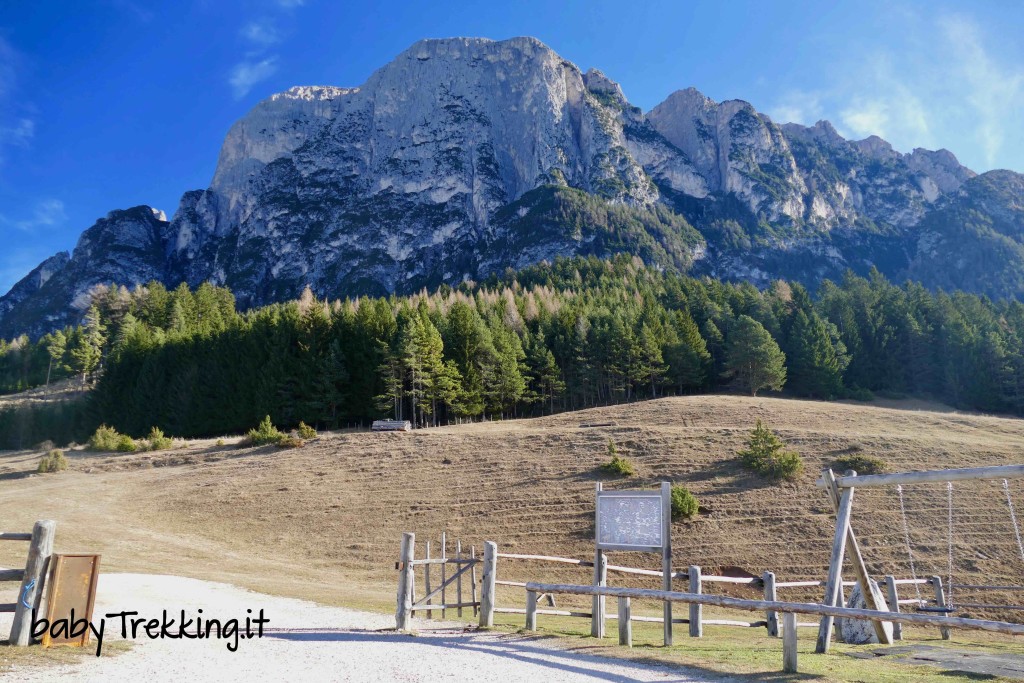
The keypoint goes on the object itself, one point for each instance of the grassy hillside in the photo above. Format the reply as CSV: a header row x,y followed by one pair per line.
x,y
324,521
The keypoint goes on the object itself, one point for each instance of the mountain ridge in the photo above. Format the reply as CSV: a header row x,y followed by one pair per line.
x,y
405,181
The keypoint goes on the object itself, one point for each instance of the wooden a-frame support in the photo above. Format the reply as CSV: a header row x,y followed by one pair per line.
x,y
845,543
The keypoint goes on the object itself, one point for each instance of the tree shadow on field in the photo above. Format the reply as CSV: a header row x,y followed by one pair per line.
x,y
524,649
734,478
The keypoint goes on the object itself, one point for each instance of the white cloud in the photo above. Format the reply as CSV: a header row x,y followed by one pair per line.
x,y
19,133
246,74
992,90
260,33
947,84
797,106
46,213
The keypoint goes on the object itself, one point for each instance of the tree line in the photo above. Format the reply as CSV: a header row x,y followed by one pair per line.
x,y
558,336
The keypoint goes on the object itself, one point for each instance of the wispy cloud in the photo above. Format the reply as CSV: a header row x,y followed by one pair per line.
x,y
19,133
259,36
992,89
261,33
947,83
15,130
246,74
45,214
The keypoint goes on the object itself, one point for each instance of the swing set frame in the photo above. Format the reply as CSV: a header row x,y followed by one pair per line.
x,y
840,490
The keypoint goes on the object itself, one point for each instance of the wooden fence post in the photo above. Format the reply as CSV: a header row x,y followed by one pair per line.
x,y
458,579
472,581
531,610
772,595
487,597
834,584
403,614
31,589
894,605
789,643
426,572
940,602
625,622
598,609
444,574
696,611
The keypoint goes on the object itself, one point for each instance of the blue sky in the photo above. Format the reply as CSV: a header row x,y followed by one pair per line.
x,y
109,104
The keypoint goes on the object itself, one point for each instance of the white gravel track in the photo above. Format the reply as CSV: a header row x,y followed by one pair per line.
x,y
309,642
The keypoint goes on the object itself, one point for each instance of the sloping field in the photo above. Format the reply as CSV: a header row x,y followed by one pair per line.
x,y
324,521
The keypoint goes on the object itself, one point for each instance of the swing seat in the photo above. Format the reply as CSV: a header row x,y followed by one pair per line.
x,y
940,610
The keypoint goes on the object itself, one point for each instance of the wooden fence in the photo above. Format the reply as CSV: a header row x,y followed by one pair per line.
x,y
31,595
486,605
788,610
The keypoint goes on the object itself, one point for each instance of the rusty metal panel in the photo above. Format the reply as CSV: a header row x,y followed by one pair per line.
x,y
72,586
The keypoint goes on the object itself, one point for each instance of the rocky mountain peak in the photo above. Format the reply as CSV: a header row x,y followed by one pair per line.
x,y
466,156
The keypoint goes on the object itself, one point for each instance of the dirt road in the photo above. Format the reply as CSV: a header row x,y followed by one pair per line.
x,y
304,641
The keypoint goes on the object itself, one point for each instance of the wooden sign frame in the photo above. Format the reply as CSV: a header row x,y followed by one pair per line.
x,y
63,578
601,560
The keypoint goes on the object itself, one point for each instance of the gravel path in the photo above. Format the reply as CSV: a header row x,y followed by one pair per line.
x,y
308,642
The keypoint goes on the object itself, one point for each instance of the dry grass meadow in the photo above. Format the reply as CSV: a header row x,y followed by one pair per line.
x,y
324,521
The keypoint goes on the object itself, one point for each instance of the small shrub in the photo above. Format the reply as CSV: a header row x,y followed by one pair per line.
x,y
157,440
612,450
45,446
305,431
621,467
54,461
764,455
126,444
860,394
684,504
220,442
265,434
863,464
290,442
104,439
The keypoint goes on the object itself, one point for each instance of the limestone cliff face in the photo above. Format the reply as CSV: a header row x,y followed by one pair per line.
x,y
467,156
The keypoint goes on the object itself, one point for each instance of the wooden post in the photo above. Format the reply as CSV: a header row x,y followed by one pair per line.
x,y
487,597
772,595
472,580
894,605
696,611
600,579
426,572
940,602
625,622
835,566
789,643
403,614
666,557
31,590
859,568
444,575
531,610
458,579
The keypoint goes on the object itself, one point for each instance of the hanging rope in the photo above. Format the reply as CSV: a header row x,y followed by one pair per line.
x,y
949,544
906,537
1013,518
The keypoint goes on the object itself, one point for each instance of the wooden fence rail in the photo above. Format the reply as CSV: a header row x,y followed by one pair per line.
x,y
789,610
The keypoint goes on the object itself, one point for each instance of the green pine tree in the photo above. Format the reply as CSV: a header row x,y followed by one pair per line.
x,y
753,359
